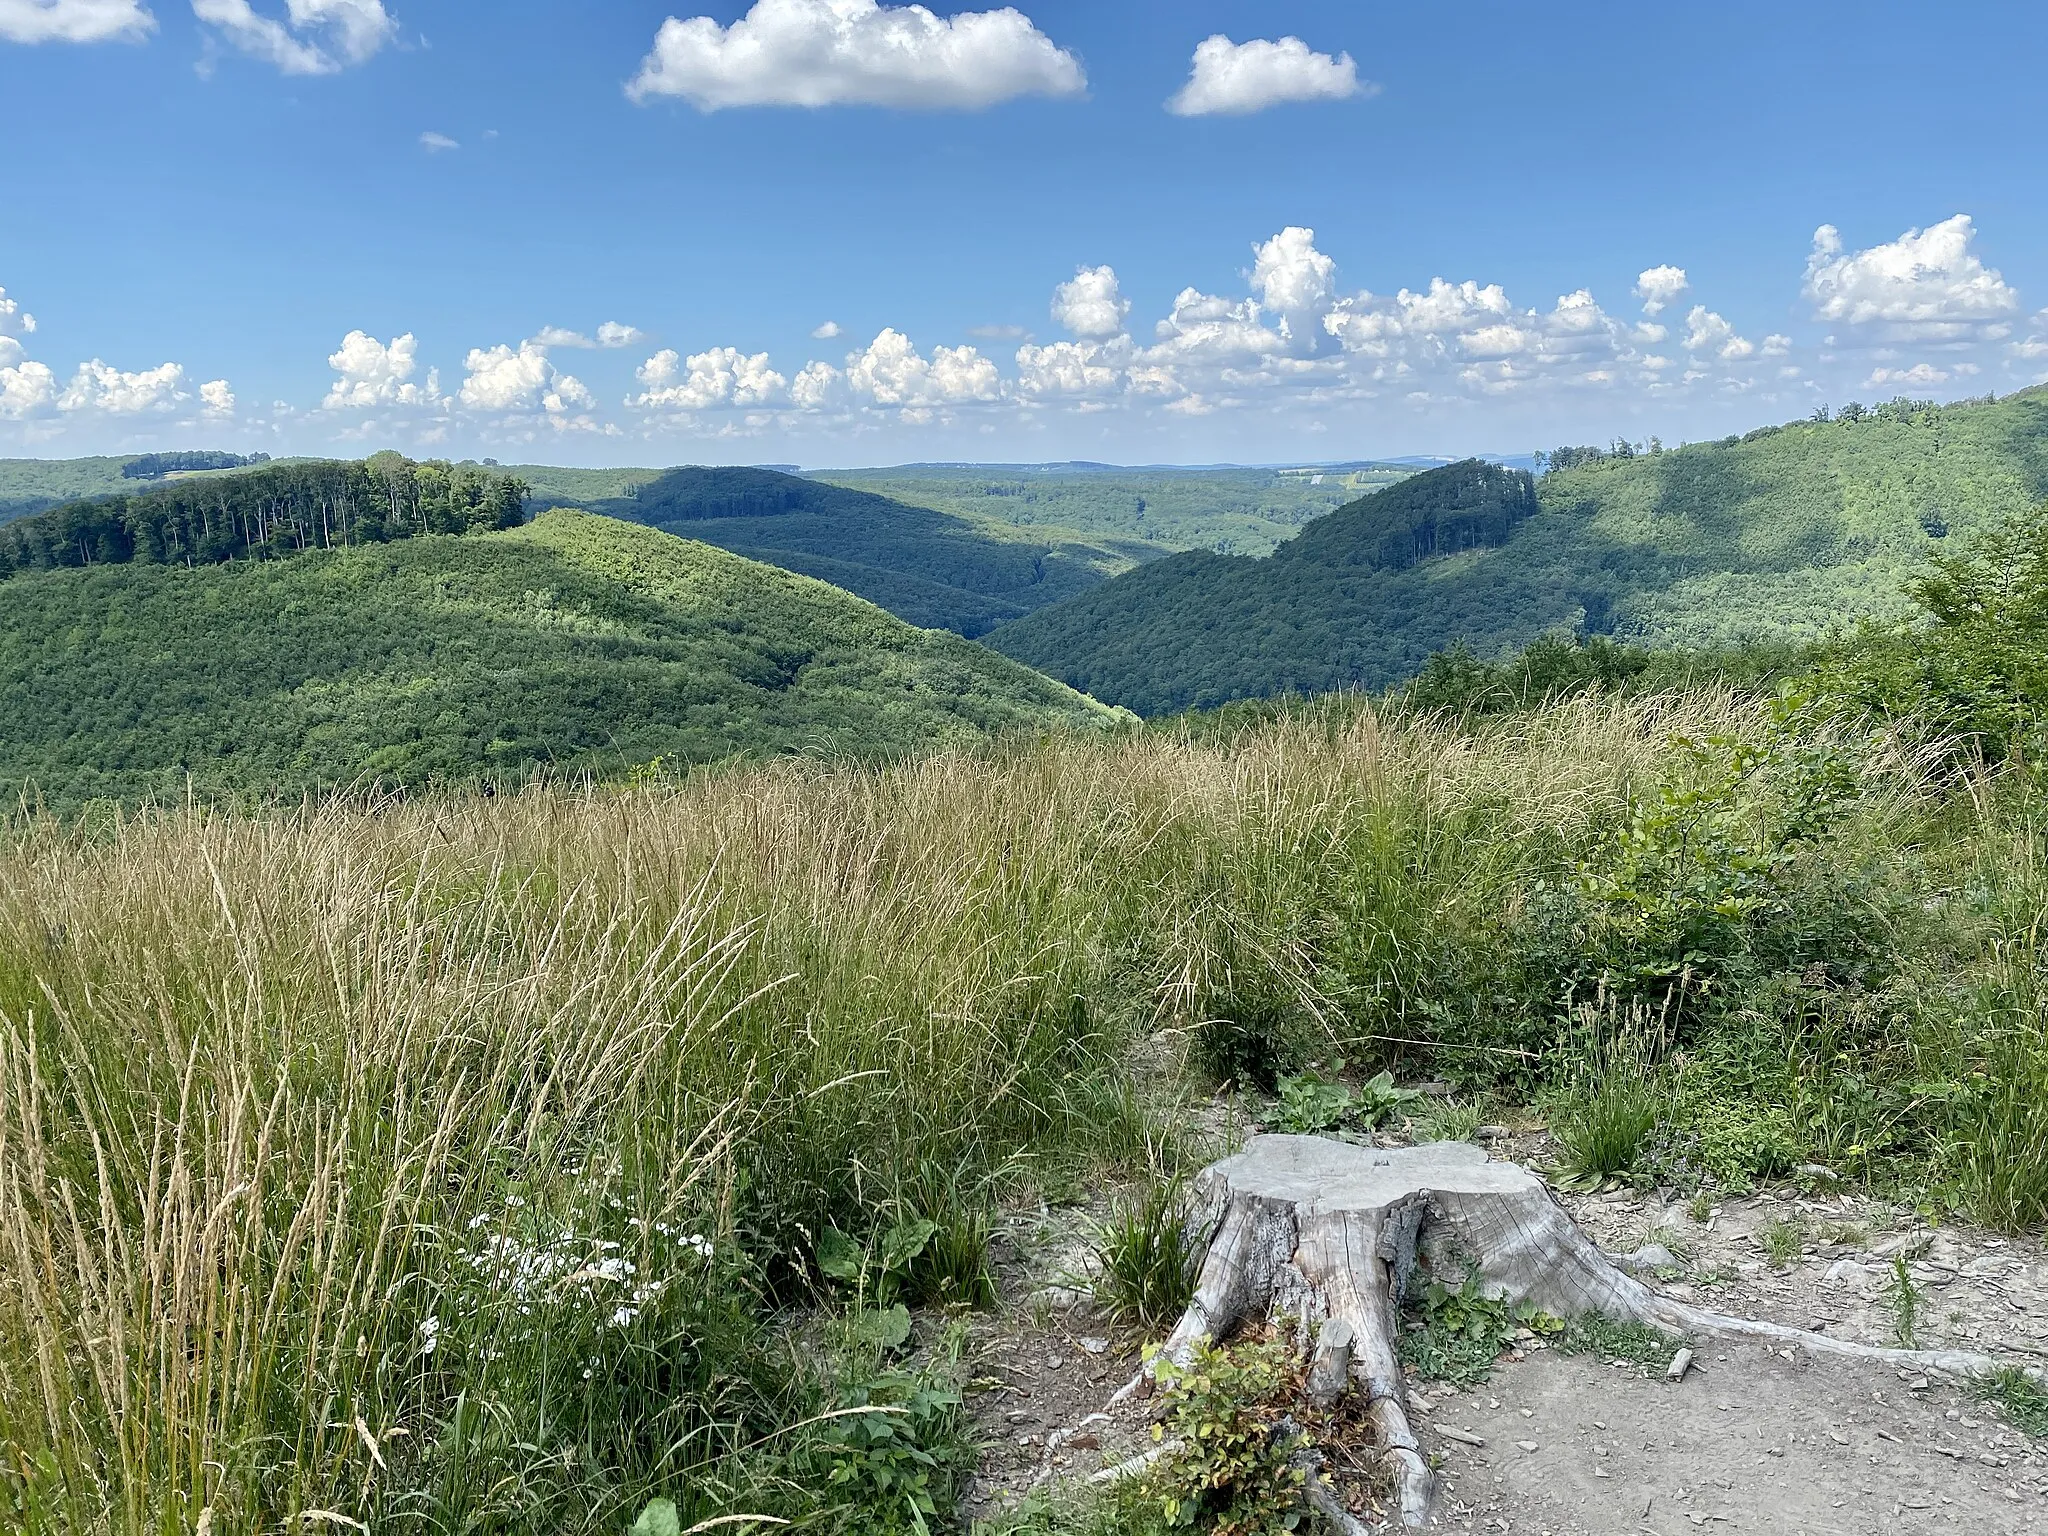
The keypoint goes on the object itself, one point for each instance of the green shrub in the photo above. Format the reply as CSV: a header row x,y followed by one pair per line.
x,y
895,1467
1975,679
1737,1141
1701,886
1232,1474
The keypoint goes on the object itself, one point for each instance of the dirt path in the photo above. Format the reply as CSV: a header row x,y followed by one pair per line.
x,y
1753,1443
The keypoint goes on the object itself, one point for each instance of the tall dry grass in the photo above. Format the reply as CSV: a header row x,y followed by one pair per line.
x,y
439,1165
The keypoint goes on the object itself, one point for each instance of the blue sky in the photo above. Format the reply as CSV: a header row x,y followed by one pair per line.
x,y
1369,230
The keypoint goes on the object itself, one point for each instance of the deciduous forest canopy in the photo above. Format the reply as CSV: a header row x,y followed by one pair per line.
x,y
576,643
1772,536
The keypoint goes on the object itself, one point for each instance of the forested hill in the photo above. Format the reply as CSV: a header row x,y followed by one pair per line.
x,y
31,485
1200,629
577,642
1777,534
933,569
265,512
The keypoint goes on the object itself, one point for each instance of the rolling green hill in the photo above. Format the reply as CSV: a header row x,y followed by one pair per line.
x,y
1778,534
576,641
933,569
1148,512
31,485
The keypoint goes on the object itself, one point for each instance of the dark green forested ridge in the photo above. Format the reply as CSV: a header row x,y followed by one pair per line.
x,y
577,643
1775,535
264,512
933,569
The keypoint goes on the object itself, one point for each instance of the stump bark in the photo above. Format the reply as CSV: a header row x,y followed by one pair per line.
x,y
1324,1237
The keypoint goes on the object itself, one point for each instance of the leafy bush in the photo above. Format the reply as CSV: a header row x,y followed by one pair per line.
x,y
1253,1038
1978,673
1233,1473
1698,889
894,1468
1737,1142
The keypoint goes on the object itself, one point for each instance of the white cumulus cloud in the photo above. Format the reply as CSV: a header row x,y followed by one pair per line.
x,y
825,332
1707,333
2034,347
1927,285
74,21
370,373
216,398
722,376
14,320
1291,275
503,380
28,389
1660,287
817,387
316,37
1074,368
891,372
820,53
1919,376
1250,77
560,336
1091,306
610,336
98,386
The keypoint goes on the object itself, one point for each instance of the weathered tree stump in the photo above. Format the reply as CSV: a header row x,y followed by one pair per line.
x,y
1323,1237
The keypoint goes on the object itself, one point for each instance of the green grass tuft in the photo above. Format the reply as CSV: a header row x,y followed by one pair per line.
x,y
1145,1258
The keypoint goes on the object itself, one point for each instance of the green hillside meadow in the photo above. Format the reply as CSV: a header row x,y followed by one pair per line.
x,y
1776,535
577,643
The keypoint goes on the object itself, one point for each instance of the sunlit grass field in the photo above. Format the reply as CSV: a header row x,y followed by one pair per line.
x,y
458,1164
